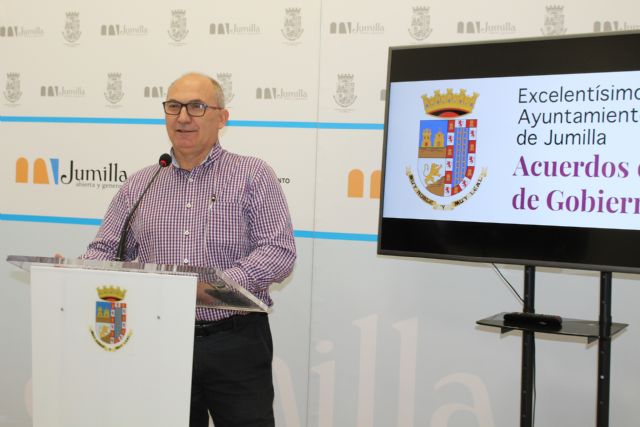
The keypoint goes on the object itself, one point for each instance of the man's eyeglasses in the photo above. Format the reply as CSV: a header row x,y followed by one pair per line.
x,y
194,109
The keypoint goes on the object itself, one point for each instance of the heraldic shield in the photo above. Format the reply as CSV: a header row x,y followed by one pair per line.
x,y
110,329
446,155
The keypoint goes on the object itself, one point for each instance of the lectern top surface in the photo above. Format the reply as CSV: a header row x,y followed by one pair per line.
x,y
215,288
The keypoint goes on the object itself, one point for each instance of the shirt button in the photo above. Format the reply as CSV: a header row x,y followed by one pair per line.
x,y
186,261
190,179
186,232
188,205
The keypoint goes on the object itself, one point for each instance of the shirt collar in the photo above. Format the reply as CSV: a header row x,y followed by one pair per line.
x,y
213,155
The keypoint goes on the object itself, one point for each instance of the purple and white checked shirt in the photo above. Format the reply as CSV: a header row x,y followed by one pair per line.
x,y
229,212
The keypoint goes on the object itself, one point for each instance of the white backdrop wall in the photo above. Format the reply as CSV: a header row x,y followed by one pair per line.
x,y
361,340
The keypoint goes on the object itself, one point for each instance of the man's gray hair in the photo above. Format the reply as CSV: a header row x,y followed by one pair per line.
x,y
217,88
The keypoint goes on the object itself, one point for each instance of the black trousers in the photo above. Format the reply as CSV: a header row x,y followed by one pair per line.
x,y
232,377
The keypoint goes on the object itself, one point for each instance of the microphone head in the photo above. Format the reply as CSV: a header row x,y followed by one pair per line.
x,y
165,160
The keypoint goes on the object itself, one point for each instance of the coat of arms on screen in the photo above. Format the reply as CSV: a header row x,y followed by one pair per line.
x,y
110,329
446,171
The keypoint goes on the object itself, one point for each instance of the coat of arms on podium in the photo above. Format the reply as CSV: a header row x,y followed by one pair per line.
x,y
110,328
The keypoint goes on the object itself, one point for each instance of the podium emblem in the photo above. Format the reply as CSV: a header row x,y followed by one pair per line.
x,y
110,328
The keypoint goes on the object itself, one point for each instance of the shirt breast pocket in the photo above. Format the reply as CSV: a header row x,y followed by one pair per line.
x,y
227,234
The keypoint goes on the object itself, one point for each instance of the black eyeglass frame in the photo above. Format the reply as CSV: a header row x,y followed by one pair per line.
x,y
186,105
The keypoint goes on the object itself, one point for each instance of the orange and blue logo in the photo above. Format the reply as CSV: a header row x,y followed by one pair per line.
x,y
356,184
50,171
41,173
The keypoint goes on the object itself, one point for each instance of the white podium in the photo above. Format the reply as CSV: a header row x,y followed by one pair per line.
x,y
112,342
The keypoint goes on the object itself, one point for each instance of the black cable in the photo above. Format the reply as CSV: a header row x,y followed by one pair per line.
x,y
504,279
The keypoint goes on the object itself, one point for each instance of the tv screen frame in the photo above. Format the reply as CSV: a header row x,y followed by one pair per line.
x,y
587,248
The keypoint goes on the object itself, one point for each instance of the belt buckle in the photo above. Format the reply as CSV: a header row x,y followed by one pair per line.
x,y
202,330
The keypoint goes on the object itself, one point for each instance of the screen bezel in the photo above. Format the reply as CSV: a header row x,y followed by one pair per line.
x,y
553,246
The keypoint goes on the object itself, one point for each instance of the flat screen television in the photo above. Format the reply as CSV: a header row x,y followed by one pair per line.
x,y
523,151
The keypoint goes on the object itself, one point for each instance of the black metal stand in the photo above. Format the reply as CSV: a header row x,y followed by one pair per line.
x,y
528,351
603,331
604,350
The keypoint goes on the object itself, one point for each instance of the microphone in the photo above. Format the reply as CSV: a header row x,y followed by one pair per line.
x,y
164,161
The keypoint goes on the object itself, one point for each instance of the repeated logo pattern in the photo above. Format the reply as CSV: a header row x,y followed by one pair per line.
x,y
292,29
420,27
178,27
12,92
114,92
345,94
72,31
554,21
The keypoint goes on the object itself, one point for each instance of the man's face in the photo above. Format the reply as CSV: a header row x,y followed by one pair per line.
x,y
193,137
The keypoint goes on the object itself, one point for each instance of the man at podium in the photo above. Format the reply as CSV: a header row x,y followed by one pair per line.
x,y
210,208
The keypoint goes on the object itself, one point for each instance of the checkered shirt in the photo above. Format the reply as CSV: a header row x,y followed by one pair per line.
x,y
229,213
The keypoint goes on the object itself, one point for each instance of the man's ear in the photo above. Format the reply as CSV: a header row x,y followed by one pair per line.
x,y
224,118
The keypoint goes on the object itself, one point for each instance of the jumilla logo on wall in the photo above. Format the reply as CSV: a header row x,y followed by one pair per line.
x,y
234,29
123,30
281,94
110,328
62,91
353,28
20,31
608,26
154,92
41,172
446,151
477,27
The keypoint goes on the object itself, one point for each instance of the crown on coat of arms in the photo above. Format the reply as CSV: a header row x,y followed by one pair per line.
x,y
111,293
449,101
